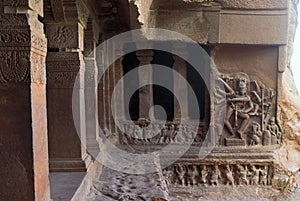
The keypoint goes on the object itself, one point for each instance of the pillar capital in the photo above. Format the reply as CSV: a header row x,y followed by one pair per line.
x,y
145,56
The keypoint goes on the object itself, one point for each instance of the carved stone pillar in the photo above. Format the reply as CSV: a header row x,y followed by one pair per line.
x,y
107,118
23,138
145,93
180,86
66,144
101,89
120,111
90,88
111,87
65,60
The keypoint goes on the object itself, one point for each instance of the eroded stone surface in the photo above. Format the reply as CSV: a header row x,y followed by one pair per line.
x,y
113,185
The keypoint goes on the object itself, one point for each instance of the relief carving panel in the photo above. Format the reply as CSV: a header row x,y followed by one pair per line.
x,y
15,37
165,134
62,36
251,109
206,174
19,20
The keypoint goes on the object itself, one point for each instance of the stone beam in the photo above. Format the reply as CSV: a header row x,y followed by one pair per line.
x,y
224,4
262,28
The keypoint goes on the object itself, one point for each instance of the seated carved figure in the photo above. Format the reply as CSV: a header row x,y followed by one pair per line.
x,y
240,106
256,134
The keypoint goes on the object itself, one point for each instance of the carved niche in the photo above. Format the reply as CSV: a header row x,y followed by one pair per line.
x,y
251,109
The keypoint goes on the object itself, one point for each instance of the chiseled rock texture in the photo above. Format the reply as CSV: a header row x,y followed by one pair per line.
x,y
289,108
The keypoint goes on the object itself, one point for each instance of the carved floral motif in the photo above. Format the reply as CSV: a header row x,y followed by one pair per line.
x,y
11,37
14,66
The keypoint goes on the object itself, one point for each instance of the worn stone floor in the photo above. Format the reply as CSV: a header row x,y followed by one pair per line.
x,y
63,185
113,185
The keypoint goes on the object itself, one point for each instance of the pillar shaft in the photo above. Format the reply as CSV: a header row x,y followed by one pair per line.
x,y
101,88
145,93
180,85
118,67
